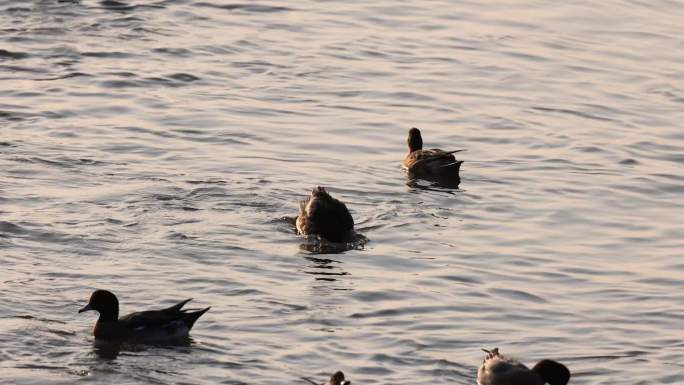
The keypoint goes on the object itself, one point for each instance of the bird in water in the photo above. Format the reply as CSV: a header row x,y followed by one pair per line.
x,y
499,370
338,379
321,214
433,164
171,323
335,379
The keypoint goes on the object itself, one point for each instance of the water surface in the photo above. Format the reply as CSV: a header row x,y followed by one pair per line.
x,y
160,149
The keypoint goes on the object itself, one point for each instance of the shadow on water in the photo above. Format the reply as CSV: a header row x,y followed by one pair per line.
x,y
245,7
315,244
325,269
434,184
110,350
113,5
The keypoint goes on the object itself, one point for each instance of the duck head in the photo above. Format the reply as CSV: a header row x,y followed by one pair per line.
x,y
415,140
338,379
105,303
552,372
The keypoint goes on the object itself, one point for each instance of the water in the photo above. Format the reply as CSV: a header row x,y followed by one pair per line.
x,y
159,150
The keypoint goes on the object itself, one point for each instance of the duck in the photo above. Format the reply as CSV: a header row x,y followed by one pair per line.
x,y
429,164
321,214
338,379
335,379
172,323
499,370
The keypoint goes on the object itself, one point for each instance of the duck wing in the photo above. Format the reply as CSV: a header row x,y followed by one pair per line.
x,y
425,158
156,319
437,154
434,163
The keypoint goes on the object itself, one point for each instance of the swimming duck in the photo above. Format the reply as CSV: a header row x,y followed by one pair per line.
x,y
499,370
338,379
145,326
326,216
429,164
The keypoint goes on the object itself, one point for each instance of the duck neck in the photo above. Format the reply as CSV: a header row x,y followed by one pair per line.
x,y
415,141
111,315
415,144
415,147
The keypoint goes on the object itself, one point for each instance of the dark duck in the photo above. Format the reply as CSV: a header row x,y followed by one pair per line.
x,y
338,379
321,214
145,326
335,379
499,370
433,164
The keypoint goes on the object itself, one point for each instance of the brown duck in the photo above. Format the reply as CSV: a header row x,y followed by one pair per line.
x,y
429,164
321,214
335,379
499,370
145,326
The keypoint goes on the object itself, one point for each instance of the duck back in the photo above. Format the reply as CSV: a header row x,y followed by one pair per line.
x,y
326,216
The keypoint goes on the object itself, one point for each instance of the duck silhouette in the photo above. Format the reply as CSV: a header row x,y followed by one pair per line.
x,y
499,370
433,164
144,326
321,214
335,379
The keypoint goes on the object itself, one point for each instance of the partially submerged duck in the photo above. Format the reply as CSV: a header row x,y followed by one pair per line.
x,y
338,379
321,214
429,164
499,370
145,326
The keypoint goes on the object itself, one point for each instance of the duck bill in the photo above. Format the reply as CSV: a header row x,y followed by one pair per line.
x,y
85,308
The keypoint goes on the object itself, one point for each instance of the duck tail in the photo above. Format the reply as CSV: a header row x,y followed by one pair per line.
x,y
491,353
191,317
179,305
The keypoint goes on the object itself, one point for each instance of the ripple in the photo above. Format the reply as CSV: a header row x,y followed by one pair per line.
x,y
255,8
518,295
572,112
182,77
66,76
158,149
12,55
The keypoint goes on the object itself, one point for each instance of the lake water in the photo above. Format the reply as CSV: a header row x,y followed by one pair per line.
x,y
159,149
